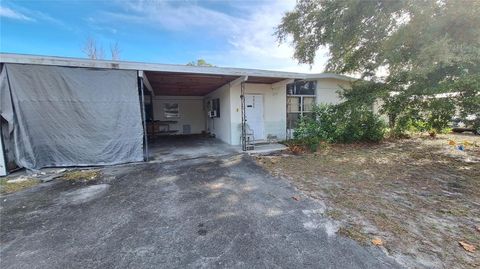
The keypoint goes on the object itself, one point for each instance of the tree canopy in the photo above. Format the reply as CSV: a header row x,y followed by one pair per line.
x,y
415,47
199,62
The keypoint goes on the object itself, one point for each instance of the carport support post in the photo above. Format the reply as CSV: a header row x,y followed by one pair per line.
x,y
142,101
244,131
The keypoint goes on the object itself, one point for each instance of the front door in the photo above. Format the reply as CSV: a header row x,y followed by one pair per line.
x,y
254,115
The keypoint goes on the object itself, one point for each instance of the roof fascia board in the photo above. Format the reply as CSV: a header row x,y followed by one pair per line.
x,y
104,64
330,75
238,81
281,83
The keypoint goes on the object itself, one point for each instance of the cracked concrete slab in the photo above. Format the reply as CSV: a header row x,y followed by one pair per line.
x,y
223,212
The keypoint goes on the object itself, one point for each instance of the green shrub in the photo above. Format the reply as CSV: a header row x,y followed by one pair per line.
x,y
358,124
319,125
339,123
431,115
439,115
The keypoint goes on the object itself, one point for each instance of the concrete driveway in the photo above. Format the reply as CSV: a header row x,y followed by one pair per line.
x,y
181,147
201,213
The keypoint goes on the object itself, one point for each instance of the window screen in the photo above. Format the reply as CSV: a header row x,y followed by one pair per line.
x,y
300,101
292,120
308,103
294,104
301,87
216,106
171,110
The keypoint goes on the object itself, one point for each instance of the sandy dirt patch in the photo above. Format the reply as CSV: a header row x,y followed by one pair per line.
x,y
417,199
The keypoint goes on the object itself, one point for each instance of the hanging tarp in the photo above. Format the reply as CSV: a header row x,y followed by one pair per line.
x,y
61,116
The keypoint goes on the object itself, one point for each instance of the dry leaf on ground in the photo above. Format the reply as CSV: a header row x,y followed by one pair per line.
x,y
295,198
377,241
468,247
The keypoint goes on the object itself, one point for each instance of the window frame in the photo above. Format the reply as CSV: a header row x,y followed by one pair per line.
x,y
301,103
169,110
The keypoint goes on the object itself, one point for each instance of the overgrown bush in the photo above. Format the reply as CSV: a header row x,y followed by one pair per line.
x,y
318,126
339,123
421,109
433,116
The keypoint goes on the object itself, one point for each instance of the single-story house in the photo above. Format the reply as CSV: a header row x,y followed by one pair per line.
x,y
59,111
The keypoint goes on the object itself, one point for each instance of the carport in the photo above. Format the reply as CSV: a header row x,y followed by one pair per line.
x,y
177,109
191,113
178,103
108,112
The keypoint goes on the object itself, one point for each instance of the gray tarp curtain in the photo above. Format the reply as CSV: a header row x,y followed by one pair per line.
x,y
63,116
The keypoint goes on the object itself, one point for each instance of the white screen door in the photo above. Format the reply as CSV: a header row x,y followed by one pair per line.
x,y
254,115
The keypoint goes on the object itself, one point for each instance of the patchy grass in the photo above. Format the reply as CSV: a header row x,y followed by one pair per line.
x,y
421,196
81,175
334,214
354,232
9,187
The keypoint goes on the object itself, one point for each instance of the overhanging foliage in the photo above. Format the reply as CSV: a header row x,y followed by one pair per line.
x,y
415,47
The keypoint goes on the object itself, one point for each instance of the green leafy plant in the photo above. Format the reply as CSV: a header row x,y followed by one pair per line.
x,y
419,56
339,124
432,115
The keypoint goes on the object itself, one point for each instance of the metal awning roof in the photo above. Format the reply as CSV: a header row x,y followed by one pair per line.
x,y
77,62
228,71
170,79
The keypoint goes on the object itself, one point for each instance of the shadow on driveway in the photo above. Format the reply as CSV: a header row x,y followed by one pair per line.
x,y
207,212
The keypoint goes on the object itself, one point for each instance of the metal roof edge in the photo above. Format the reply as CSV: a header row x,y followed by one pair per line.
x,y
128,65
331,75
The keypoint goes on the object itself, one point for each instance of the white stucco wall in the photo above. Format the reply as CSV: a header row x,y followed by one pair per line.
x,y
274,109
191,111
327,93
227,126
327,90
221,126
377,106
